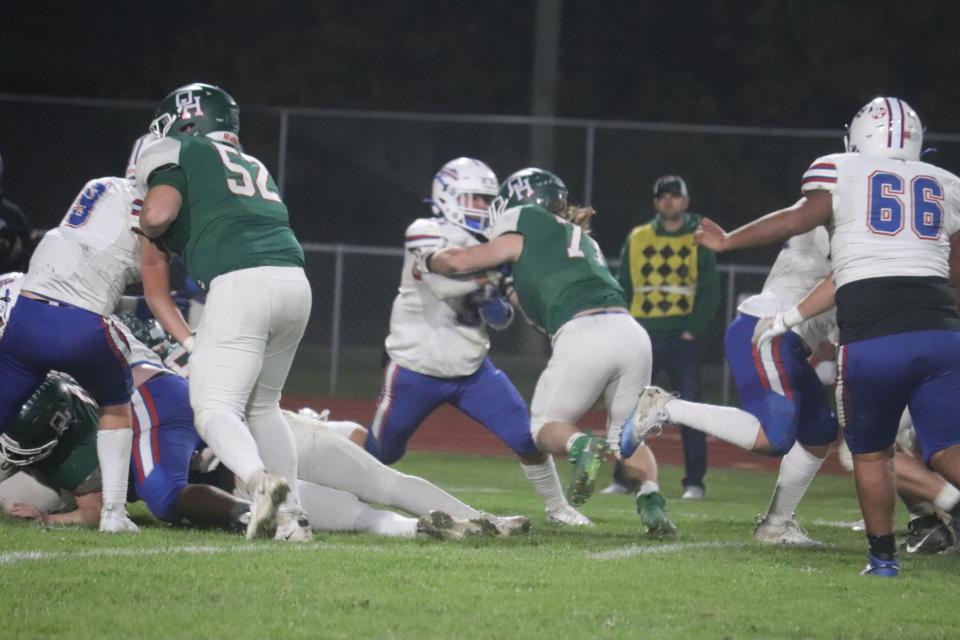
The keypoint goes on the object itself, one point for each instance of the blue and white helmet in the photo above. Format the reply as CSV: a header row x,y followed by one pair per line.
x,y
886,127
454,189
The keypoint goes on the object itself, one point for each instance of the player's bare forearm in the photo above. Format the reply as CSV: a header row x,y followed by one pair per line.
x,y
808,212
155,273
161,206
501,250
820,298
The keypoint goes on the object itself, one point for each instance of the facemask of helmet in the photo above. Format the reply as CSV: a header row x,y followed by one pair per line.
x,y
462,192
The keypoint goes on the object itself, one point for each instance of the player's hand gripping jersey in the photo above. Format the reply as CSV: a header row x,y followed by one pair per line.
x,y
232,217
561,271
432,329
802,263
90,258
890,242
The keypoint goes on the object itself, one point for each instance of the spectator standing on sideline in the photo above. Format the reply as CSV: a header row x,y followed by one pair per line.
x,y
672,290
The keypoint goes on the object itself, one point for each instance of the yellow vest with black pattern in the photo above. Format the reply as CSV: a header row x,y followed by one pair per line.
x,y
663,270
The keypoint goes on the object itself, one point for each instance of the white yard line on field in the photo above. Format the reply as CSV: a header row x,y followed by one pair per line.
x,y
636,550
839,524
16,557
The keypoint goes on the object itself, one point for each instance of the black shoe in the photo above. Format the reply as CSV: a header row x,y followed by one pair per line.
x,y
927,534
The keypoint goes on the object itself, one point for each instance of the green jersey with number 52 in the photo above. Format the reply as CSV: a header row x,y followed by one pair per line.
x,y
232,216
561,270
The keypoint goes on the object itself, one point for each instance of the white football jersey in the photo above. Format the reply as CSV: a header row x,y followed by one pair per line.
x,y
802,263
429,331
890,217
9,292
90,258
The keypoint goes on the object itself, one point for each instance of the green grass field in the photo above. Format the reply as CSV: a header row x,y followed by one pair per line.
x,y
608,582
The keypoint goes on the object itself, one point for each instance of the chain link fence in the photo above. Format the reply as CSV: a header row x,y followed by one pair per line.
x,y
353,290
357,179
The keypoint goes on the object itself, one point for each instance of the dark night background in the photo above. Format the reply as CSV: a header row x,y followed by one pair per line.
x,y
359,180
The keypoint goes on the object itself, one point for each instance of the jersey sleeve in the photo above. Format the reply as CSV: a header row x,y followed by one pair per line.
x,y
822,174
165,152
506,223
424,235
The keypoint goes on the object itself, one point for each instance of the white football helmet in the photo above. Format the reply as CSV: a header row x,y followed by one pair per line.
x,y
886,127
455,188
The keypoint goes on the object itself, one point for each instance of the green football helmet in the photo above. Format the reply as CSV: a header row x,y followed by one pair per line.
x,y
44,418
534,186
197,109
149,332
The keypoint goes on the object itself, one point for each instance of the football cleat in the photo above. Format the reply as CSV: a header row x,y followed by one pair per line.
x,y
927,534
267,492
693,492
569,516
650,506
440,524
587,455
508,525
114,519
647,419
293,526
788,532
881,568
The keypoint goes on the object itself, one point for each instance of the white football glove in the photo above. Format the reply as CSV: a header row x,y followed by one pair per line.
x,y
421,261
770,327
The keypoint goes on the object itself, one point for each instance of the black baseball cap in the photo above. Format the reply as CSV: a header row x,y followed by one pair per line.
x,y
673,185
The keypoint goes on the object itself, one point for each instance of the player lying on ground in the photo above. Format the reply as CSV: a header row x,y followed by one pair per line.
x,y
564,287
928,497
785,410
337,474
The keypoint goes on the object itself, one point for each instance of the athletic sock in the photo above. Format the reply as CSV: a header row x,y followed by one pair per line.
x,y
797,470
727,423
113,451
545,480
947,498
576,436
883,547
648,486
420,497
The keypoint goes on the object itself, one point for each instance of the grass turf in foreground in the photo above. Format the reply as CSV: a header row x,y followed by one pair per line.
x,y
710,582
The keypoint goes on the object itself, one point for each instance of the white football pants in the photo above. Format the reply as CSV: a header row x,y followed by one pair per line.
x,y
246,341
606,354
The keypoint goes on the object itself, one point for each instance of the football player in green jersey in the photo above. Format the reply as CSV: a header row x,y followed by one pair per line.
x,y
54,440
219,209
563,285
